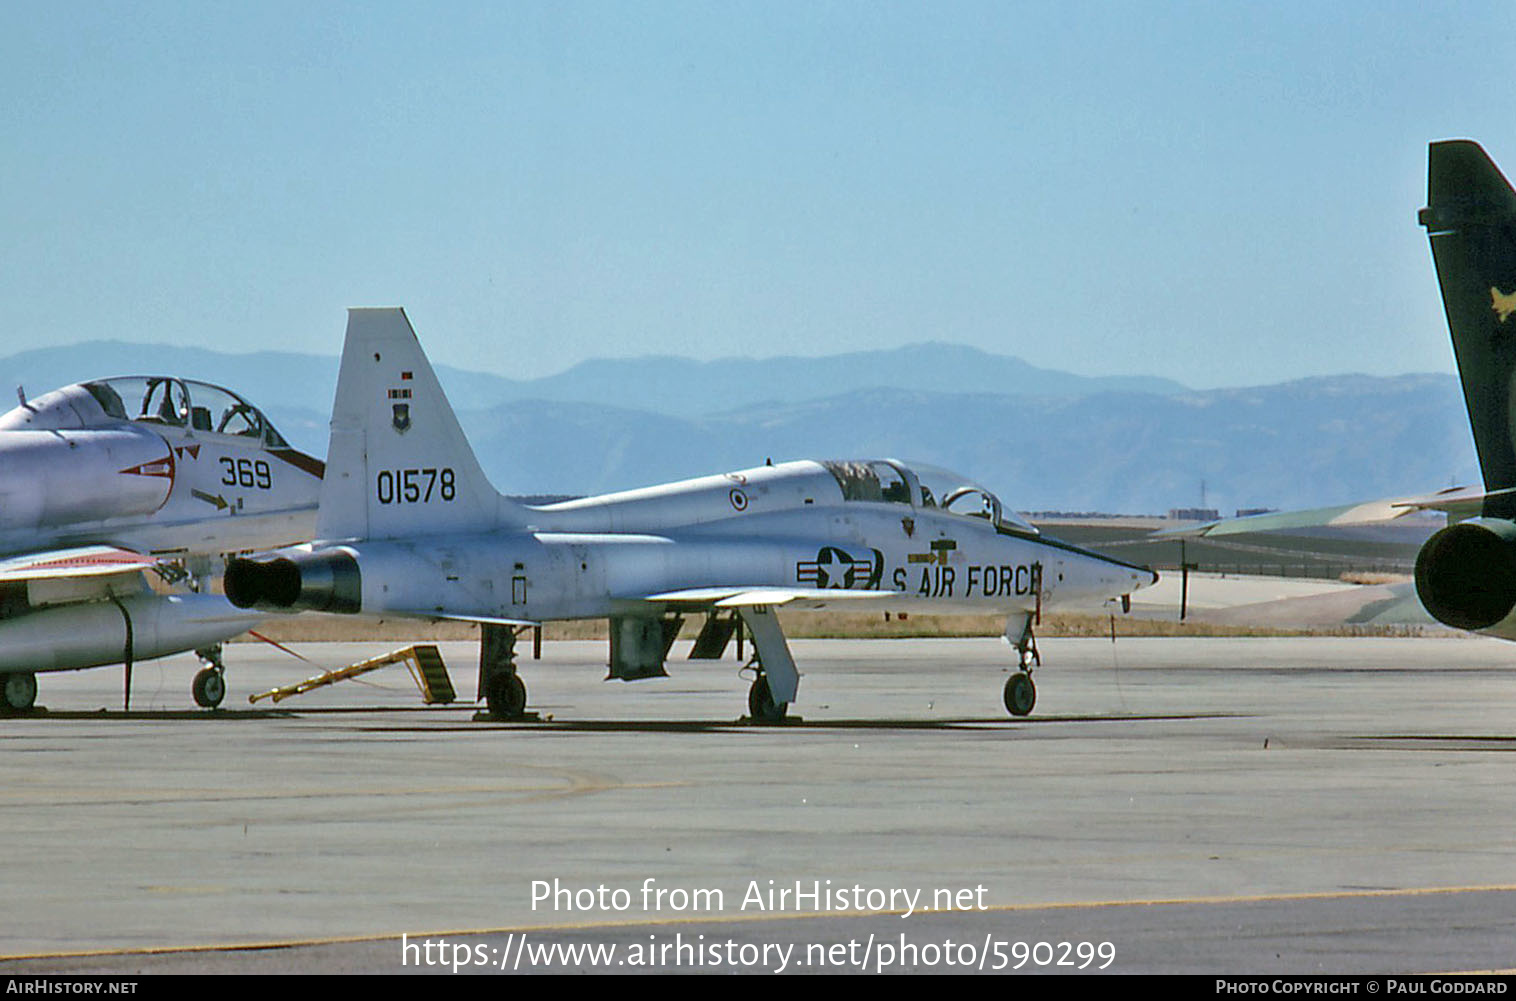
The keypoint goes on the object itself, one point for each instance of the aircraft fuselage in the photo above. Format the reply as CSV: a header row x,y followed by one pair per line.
x,y
781,527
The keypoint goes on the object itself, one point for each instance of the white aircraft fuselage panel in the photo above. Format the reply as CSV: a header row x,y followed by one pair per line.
x,y
684,504
57,478
946,563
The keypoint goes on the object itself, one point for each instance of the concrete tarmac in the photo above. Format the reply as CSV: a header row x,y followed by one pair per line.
x,y
1179,805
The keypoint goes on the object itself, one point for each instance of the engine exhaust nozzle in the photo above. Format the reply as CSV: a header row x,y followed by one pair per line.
x,y
317,582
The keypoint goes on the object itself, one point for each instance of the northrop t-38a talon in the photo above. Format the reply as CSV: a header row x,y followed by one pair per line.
x,y
409,525
104,482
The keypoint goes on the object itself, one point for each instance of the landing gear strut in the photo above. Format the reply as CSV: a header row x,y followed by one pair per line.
x,y
777,681
209,686
502,688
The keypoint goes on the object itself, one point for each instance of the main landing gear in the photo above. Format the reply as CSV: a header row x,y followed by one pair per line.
x,y
505,694
209,686
18,691
778,681
761,707
502,688
1020,693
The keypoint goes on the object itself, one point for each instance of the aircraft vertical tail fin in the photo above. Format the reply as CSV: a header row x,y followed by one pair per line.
x,y
1470,220
398,462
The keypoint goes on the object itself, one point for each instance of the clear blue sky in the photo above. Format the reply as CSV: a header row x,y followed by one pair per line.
x,y
1224,193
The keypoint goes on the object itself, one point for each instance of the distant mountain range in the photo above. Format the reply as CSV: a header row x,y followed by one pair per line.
x,y
659,384
1045,440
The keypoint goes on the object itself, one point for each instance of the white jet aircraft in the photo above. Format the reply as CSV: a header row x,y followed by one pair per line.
x,y
409,525
102,482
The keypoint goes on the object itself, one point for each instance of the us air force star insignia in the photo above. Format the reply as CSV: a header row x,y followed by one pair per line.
x,y
402,419
837,569
1503,303
834,568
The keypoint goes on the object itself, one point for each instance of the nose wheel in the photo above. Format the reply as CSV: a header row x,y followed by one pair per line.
x,y
209,686
1020,694
19,691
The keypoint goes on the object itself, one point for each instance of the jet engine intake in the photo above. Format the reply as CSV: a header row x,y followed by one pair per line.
x,y
1466,573
327,581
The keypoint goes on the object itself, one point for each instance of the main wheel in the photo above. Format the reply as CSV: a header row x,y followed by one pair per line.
x,y
19,690
209,688
505,694
1020,694
761,705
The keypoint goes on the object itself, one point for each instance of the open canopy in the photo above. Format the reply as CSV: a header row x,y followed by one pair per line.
x,y
183,403
922,485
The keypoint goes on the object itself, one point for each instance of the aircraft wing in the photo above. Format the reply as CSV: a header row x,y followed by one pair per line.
x,y
81,561
801,597
493,620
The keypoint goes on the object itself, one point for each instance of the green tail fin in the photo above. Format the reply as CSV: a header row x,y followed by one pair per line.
x,y
1470,219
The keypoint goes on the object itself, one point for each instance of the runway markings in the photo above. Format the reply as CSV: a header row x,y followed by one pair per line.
x,y
297,943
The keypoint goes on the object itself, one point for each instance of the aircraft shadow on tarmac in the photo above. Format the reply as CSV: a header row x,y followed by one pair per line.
x,y
800,723
443,722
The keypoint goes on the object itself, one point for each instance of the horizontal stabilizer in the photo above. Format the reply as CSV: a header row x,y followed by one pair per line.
x,y
1457,502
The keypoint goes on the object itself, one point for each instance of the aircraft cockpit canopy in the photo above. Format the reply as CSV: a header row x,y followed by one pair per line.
x,y
185,403
880,481
955,493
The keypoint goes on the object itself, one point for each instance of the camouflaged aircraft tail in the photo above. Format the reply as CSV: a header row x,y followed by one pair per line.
x,y
1470,219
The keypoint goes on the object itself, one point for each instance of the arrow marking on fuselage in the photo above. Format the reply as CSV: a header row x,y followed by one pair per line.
x,y
220,502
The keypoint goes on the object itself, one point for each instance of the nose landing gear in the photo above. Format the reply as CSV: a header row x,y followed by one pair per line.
x,y
1020,693
209,686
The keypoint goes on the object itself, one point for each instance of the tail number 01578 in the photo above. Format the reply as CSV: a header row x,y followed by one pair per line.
x,y
415,486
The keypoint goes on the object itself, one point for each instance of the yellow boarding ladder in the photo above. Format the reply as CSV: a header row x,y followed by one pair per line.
x,y
424,662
